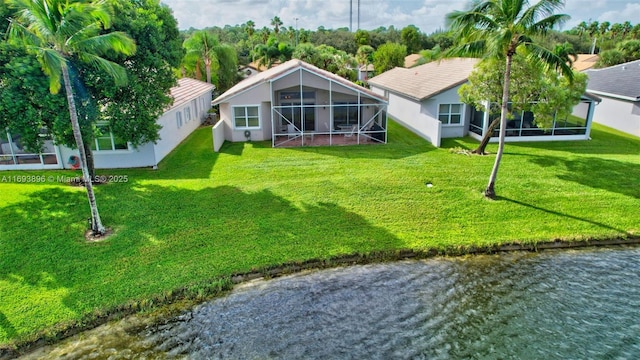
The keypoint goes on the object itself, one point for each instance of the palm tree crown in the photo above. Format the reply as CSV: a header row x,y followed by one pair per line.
x,y
495,28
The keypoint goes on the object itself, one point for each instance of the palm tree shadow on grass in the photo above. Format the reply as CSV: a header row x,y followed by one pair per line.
x,y
598,173
209,232
560,214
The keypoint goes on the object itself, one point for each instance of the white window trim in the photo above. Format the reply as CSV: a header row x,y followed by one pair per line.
x,y
113,144
187,114
179,122
233,117
462,109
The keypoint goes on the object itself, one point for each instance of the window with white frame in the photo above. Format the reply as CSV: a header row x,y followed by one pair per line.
x,y
187,114
246,117
179,119
106,141
450,114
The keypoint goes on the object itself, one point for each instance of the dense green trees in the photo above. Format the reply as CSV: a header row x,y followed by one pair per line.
x,y
496,29
388,56
59,33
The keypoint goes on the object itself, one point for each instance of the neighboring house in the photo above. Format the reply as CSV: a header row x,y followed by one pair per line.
x,y
619,88
365,72
247,71
585,61
191,102
411,60
425,100
296,104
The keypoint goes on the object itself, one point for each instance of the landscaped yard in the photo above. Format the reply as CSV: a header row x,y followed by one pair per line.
x,y
202,216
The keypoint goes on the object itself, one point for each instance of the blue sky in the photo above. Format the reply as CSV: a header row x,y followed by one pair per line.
x,y
428,15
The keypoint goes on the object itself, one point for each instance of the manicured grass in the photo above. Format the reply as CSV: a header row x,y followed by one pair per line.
x,y
203,215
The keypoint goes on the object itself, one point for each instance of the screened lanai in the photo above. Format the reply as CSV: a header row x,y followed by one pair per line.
x,y
310,108
523,127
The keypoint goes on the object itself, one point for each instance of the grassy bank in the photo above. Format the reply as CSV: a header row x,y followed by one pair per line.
x,y
204,215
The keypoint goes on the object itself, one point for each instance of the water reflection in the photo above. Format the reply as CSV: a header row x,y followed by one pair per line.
x,y
571,304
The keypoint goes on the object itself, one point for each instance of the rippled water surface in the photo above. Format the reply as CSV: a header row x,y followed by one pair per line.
x,y
582,304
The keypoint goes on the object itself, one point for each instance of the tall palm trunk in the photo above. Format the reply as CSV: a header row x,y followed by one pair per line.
x,y
96,222
207,66
490,191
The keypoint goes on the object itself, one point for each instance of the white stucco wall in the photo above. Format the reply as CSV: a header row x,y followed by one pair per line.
x,y
408,112
258,95
430,108
619,114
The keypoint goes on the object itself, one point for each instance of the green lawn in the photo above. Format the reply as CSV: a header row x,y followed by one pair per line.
x,y
203,215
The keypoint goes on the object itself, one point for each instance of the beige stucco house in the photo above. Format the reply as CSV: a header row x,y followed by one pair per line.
x,y
298,104
425,100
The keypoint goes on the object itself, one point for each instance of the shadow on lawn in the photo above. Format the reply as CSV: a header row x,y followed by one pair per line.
x,y
6,326
603,141
611,175
559,214
191,235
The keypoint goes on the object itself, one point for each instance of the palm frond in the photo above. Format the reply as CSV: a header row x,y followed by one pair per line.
x,y
542,9
548,23
118,73
52,62
116,41
549,60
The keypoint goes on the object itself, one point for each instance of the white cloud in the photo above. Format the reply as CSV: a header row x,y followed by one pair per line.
x,y
428,15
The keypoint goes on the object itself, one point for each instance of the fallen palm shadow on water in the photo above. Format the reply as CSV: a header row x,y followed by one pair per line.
x,y
555,304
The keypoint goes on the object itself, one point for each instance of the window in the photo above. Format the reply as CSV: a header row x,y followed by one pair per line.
x,y
246,117
106,141
187,114
179,119
450,114
345,114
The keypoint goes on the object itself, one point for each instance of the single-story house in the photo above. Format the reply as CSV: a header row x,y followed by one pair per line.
x,y
365,72
425,100
191,102
619,88
298,104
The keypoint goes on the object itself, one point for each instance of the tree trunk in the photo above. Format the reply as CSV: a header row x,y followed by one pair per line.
x,y
490,191
90,164
96,222
485,139
207,66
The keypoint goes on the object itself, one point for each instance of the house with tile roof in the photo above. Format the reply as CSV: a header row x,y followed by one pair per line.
x,y
191,103
619,88
425,100
585,62
298,104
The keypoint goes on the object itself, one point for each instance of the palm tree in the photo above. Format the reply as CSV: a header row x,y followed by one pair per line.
x,y
202,47
57,31
496,29
276,23
250,28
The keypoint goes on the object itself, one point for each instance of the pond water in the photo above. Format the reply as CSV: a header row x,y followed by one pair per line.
x,y
579,304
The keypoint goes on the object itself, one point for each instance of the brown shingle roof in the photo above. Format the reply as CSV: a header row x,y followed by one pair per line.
x,y
426,80
188,89
283,69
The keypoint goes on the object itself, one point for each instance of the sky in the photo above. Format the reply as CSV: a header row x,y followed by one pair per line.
x,y
427,15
